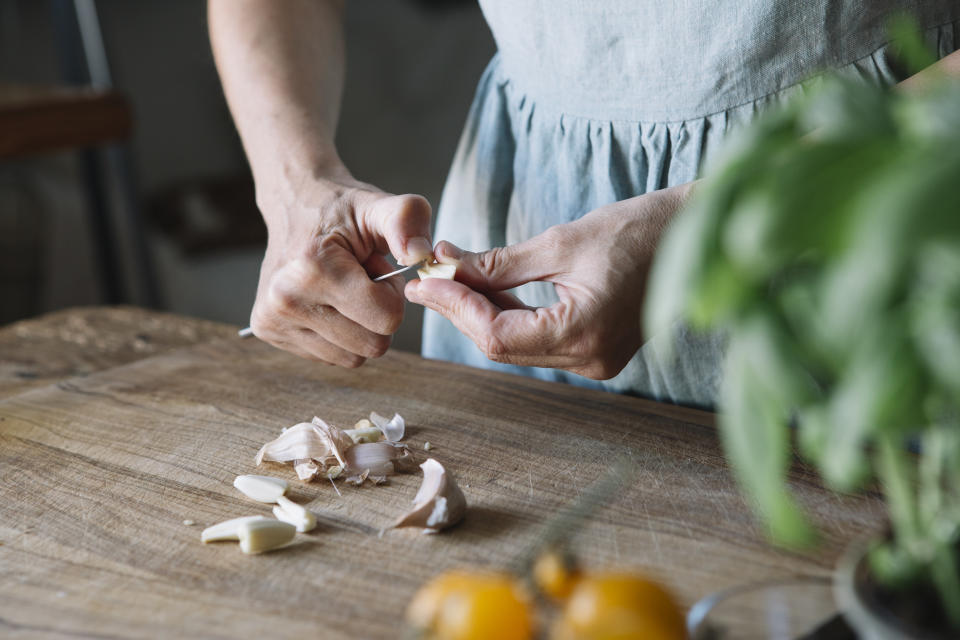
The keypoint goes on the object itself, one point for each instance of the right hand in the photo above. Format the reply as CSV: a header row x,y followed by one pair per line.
x,y
327,239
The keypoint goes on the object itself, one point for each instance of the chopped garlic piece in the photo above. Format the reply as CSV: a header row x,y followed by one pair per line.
x,y
257,536
427,446
261,488
226,530
365,434
292,513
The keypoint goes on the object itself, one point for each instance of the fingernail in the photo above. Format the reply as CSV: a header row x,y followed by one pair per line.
x,y
451,251
418,250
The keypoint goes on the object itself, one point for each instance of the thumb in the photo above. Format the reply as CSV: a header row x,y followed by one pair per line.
x,y
403,223
501,268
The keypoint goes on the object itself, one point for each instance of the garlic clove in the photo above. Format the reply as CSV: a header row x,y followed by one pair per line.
x,y
257,536
226,530
437,270
364,434
292,513
261,488
438,504
393,429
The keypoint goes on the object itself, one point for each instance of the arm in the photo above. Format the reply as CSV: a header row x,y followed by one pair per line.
x,y
281,64
598,265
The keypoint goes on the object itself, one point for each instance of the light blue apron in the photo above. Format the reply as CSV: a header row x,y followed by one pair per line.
x,y
592,101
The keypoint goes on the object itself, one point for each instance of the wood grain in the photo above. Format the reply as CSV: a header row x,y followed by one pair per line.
x,y
98,473
81,341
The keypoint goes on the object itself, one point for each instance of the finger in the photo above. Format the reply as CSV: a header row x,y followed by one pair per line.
x,y
325,350
516,336
343,332
507,267
341,282
376,265
403,224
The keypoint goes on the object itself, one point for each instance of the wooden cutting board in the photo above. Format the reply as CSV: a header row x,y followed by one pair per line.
x,y
99,473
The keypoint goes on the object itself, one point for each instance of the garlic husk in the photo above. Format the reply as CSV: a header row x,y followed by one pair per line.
x,y
439,503
261,488
226,530
306,470
292,513
393,429
437,270
257,536
308,440
376,458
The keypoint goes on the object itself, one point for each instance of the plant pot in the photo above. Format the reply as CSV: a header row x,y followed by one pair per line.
x,y
861,601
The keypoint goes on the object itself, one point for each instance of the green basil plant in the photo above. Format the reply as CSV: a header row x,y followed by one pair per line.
x,y
825,243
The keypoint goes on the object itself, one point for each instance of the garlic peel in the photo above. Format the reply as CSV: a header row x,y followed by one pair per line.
x,y
257,536
261,488
376,458
439,502
292,513
393,429
315,440
226,530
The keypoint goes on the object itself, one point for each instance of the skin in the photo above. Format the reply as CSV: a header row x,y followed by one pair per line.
x,y
282,70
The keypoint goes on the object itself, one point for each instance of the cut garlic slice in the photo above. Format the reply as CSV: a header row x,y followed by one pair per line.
x,y
226,530
292,513
257,536
261,488
438,504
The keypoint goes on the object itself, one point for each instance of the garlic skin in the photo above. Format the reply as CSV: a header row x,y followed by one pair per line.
x,y
393,429
438,504
315,440
257,536
261,488
306,469
437,270
292,513
226,530
376,458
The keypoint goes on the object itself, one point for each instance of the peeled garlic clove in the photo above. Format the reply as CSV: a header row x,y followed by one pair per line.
x,y
393,429
226,530
261,488
437,270
292,513
365,434
438,504
257,536
306,470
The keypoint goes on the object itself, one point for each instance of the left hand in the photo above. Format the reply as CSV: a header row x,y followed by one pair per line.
x,y
598,265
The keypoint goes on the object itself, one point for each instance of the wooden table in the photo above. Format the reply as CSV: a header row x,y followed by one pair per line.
x,y
117,425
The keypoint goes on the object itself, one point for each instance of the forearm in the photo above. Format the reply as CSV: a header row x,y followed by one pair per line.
x,y
282,67
947,66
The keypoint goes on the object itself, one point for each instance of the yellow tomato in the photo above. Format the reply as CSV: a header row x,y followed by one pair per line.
x,y
461,605
619,606
555,575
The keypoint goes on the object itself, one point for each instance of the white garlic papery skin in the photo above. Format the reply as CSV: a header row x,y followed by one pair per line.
x,y
393,429
438,504
261,488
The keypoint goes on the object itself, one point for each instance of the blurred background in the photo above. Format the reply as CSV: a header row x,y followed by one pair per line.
x,y
138,192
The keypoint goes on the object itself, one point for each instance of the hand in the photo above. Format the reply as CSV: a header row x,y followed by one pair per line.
x,y
598,265
327,238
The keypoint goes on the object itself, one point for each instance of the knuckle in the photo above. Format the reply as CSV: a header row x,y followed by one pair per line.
x,y
352,361
490,263
379,347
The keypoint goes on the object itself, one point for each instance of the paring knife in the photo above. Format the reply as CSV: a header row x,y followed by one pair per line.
x,y
246,332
